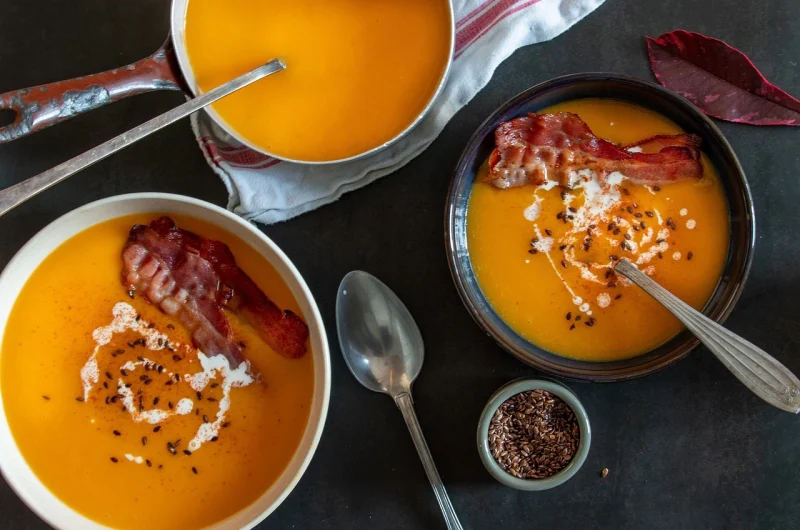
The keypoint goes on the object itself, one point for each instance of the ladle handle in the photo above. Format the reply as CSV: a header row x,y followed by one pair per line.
x,y
759,371
406,406
18,193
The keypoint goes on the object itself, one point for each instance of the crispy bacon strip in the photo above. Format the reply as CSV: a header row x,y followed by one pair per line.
x,y
538,148
194,278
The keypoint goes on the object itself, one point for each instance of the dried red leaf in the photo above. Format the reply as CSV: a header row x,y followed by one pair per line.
x,y
721,80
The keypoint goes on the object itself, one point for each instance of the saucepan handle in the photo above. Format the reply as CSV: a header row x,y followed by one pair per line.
x,y
45,105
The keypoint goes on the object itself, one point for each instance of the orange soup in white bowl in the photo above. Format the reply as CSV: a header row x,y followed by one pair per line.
x,y
162,365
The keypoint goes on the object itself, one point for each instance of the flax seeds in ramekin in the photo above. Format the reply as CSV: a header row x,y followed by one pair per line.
x,y
533,435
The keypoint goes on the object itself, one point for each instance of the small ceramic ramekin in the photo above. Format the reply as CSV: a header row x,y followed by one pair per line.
x,y
512,389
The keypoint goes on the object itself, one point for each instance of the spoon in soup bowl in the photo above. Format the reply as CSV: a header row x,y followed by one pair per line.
x,y
383,349
760,372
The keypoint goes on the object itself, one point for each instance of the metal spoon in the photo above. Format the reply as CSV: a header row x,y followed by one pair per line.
x,y
383,348
15,195
759,371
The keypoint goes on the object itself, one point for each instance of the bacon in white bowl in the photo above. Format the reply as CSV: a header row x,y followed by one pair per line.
x,y
194,279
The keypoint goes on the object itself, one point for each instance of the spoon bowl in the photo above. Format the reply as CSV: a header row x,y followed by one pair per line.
x,y
381,343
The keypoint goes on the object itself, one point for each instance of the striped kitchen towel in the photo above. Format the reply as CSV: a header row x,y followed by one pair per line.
x,y
267,190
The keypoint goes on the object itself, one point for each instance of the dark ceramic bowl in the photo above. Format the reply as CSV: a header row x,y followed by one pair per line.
x,y
652,96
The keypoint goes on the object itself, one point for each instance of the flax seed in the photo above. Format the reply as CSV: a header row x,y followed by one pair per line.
x,y
533,435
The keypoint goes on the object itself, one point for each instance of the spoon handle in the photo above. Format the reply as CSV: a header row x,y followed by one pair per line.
x,y
406,406
759,371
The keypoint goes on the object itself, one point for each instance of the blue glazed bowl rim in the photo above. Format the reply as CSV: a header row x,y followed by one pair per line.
x,y
721,303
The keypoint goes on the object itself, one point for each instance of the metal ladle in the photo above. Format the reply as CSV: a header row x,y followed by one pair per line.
x,y
383,348
15,195
759,371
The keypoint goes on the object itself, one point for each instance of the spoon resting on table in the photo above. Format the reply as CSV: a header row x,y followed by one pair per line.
x,y
383,349
759,371
15,195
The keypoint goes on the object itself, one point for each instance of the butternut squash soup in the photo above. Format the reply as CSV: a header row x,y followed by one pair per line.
x,y
111,402
358,73
570,191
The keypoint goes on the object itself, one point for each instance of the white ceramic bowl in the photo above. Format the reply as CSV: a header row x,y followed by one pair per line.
x,y
13,465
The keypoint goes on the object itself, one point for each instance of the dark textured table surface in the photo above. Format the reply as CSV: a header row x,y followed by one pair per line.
x,y
689,447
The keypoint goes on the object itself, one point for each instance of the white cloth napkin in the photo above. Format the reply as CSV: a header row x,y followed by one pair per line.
x,y
267,190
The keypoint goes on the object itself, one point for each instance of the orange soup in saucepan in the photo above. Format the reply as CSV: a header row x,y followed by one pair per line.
x,y
358,73
120,416
543,255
